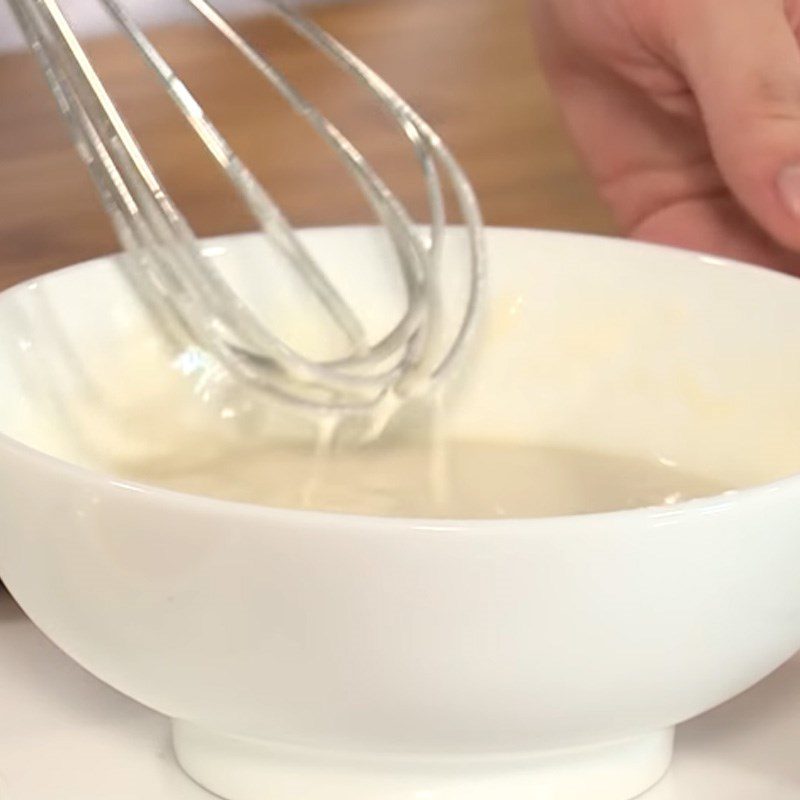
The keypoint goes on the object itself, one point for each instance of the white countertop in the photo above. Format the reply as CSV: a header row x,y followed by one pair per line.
x,y
66,736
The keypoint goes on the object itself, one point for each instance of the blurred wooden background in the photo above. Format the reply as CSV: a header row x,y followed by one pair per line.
x,y
467,65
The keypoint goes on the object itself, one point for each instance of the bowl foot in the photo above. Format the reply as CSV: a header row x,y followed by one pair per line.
x,y
249,769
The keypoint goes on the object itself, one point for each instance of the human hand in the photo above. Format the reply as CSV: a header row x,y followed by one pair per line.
x,y
687,113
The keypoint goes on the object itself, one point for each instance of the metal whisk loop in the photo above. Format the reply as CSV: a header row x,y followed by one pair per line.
x,y
183,287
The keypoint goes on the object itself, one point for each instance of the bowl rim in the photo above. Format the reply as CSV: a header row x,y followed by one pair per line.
x,y
651,516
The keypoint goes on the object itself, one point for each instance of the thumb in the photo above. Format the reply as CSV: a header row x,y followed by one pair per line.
x,y
742,62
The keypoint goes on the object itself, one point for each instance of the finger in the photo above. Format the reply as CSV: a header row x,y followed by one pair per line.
x,y
718,226
742,61
642,156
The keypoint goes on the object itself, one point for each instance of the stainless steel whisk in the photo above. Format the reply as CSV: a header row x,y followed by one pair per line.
x,y
187,292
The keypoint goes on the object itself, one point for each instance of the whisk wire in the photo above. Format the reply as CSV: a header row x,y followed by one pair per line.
x,y
190,297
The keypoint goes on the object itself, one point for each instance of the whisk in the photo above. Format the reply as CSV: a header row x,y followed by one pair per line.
x,y
188,293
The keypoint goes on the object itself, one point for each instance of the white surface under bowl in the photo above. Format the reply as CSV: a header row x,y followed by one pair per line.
x,y
330,656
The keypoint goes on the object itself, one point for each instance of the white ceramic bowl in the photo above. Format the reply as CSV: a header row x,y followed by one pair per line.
x,y
328,656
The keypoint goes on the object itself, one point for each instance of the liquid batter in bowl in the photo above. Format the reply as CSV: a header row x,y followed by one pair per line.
x,y
456,479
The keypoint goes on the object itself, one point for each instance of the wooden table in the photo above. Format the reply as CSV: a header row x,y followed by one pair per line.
x,y
467,65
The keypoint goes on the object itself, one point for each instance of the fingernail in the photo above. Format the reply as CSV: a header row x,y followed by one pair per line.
x,y
789,188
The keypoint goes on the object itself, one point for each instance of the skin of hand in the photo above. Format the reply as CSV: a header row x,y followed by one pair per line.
x,y
687,114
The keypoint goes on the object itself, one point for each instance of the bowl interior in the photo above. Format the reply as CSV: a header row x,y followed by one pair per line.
x,y
587,342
